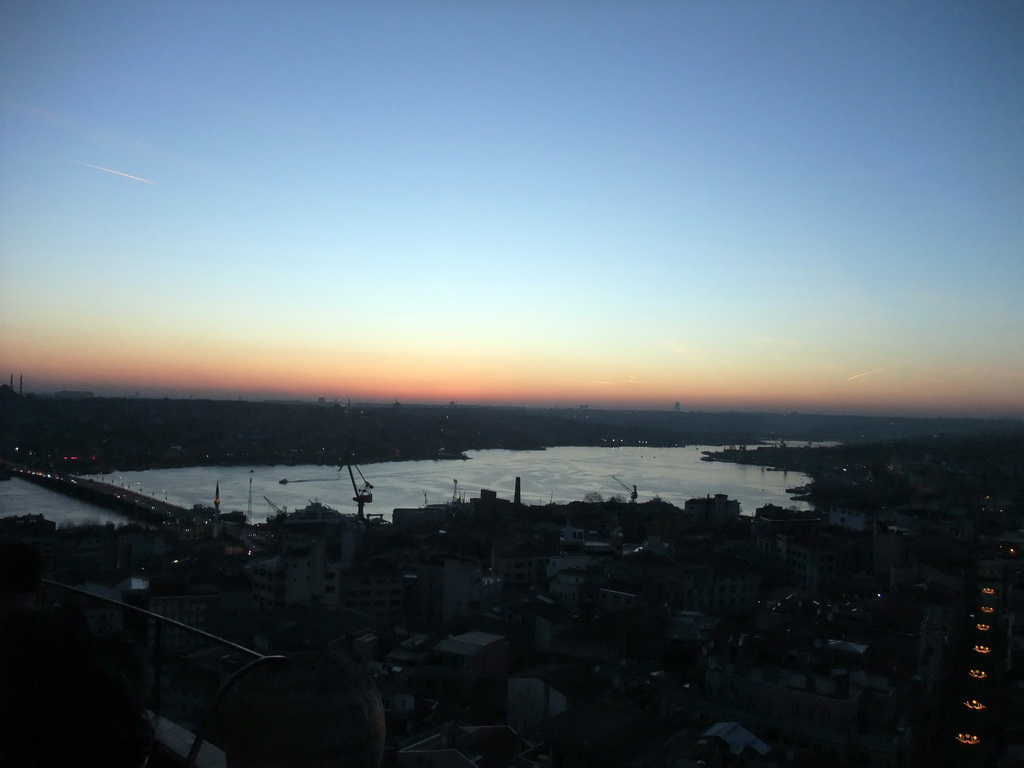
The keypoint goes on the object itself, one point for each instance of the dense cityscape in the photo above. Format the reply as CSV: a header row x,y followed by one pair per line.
x,y
490,384
876,629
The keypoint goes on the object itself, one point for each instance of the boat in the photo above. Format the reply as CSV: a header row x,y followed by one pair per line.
x,y
315,513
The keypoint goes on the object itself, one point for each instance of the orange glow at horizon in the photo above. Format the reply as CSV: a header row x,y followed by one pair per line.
x,y
187,361
415,235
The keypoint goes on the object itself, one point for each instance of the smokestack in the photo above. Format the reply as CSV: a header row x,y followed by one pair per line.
x,y
21,382
517,498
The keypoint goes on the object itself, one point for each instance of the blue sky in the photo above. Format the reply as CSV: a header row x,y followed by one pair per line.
x,y
800,205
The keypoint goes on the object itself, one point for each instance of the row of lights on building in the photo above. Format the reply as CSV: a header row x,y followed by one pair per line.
x,y
972,739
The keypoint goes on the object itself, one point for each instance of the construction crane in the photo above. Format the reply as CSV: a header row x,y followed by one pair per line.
x,y
277,509
363,495
632,491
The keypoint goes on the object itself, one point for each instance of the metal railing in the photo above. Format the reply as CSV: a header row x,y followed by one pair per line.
x,y
160,658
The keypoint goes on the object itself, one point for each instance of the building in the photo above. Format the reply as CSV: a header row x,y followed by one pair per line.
x,y
376,590
296,576
810,562
447,587
712,512
570,588
520,566
718,586
456,663
850,519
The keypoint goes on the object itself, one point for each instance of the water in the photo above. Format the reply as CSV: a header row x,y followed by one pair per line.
x,y
20,497
556,474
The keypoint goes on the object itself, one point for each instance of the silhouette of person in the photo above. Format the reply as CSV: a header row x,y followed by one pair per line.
x,y
21,577
59,704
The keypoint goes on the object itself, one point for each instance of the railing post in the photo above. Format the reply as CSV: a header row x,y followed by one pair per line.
x,y
157,662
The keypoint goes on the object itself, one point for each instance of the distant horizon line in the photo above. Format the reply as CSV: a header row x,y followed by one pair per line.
x,y
82,394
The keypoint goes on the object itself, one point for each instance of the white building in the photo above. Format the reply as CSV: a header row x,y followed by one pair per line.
x,y
850,519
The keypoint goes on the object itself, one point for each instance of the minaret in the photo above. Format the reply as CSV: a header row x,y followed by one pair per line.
x,y
216,499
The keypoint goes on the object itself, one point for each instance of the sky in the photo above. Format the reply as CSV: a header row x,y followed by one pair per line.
x,y
728,205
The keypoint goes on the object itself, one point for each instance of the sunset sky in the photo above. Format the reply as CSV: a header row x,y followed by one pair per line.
x,y
731,205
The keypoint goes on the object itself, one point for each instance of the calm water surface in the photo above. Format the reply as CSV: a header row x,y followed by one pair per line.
x,y
20,497
555,474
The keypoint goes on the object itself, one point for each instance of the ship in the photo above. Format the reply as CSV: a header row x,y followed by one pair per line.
x,y
315,513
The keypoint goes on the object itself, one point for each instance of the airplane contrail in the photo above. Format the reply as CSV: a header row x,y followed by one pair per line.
x,y
867,373
117,173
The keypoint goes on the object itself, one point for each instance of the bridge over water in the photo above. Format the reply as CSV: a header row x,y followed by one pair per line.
x,y
131,504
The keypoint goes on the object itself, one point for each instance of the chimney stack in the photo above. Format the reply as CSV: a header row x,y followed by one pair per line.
x,y
518,498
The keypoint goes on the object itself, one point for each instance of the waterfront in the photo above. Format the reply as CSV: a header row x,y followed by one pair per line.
x,y
21,497
556,474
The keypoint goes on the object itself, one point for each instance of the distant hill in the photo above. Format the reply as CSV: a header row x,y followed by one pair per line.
x,y
134,433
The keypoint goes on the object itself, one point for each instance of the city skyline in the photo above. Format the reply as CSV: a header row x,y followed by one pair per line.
x,y
732,207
